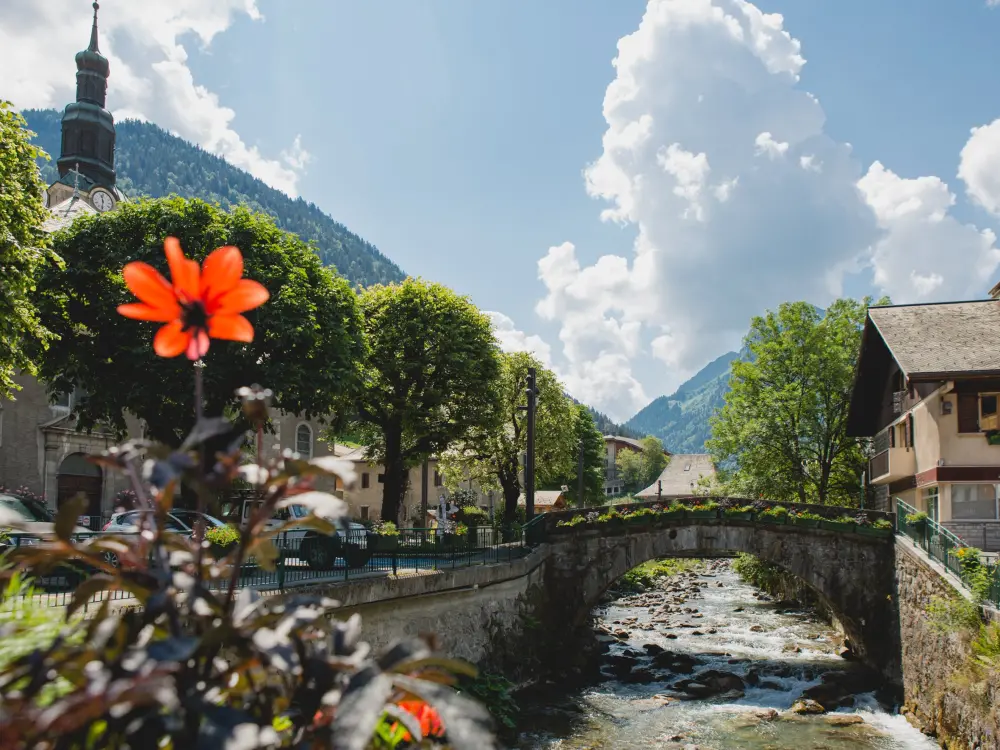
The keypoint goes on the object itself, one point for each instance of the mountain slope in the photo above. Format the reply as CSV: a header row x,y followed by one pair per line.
x,y
151,162
681,420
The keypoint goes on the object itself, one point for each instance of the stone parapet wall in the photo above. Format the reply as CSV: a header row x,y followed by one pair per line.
x,y
938,695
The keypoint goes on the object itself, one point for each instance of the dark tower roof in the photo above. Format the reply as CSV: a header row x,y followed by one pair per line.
x,y
88,129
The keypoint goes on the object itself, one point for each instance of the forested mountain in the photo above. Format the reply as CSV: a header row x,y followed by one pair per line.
x,y
681,420
608,427
151,162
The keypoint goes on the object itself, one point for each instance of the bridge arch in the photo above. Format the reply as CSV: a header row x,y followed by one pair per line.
x,y
852,574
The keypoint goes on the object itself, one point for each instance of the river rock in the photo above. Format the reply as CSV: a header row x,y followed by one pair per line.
x,y
639,676
756,628
843,720
807,707
721,681
652,649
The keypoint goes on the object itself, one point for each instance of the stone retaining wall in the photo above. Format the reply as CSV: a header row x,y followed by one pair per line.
x,y
941,697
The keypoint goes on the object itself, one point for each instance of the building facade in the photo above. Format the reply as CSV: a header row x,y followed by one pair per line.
x,y
614,484
683,477
926,393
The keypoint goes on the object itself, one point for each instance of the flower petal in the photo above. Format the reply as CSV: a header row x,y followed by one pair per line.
x,y
198,345
230,327
221,272
145,282
246,295
148,312
171,340
185,273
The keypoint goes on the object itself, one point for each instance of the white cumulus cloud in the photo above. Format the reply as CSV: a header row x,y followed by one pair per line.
x,y
150,76
979,167
740,199
514,340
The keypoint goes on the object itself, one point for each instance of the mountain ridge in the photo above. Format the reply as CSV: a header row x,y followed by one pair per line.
x,y
153,163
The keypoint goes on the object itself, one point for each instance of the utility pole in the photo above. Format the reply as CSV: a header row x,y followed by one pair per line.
x,y
579,476
659,490
529,465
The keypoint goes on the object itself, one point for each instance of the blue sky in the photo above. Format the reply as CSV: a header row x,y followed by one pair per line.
x,y
455,136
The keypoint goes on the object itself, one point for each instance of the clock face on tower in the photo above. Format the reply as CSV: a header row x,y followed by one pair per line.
x,y
102,200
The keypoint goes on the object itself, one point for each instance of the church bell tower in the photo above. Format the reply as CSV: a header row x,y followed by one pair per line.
x,y
88,129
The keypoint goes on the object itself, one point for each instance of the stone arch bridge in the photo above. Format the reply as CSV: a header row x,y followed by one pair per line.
x,y
851,571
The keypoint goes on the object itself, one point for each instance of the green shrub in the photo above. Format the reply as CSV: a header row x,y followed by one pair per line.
x,y
223,536
986,646
384,528
845,519
949,615
705,505
882,523
609,516
807,515
644,576
497,694
737,510
470,515
778,511
916,518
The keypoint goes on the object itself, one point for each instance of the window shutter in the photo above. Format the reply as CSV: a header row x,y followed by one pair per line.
x,y
909,431
968,412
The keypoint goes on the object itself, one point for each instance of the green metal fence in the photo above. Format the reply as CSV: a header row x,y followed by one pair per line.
x,y
304,559
943,546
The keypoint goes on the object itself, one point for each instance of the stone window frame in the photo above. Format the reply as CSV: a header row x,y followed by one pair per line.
x,y
298,440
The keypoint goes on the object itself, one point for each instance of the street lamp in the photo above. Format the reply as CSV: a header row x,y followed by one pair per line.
x,y
529,459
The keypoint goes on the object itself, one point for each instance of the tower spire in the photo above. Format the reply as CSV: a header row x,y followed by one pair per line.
x,y
93,32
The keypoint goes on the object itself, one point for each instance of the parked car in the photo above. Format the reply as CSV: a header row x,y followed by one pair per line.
x,y
319,551
37,519
181,522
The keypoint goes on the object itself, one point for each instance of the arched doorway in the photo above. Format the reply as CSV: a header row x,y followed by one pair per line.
x,y
76,474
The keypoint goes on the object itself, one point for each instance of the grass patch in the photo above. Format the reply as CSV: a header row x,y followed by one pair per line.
x,y
645,576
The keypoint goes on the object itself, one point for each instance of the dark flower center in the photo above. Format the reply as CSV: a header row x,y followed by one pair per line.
x,y
193,316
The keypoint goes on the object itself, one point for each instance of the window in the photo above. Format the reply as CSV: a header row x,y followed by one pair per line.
x,y
63,401
304,441
988,411
930,495
968,412
364,512
366,481
974,501
437,478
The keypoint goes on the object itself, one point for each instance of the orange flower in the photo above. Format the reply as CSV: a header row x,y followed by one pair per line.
x,y
202,303
430,722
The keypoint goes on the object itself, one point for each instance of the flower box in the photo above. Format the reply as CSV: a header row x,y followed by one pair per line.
x,y
693,514
836,525
772,519
672,515
806,523
732,515
872,531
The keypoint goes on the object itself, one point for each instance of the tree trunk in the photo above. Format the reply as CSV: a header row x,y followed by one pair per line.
x,y
511,486
394,478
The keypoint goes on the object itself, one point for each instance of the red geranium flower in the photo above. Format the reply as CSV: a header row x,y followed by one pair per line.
x,y
430,722
201,303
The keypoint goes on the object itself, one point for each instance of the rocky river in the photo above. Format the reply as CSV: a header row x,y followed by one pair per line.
x,y
705,662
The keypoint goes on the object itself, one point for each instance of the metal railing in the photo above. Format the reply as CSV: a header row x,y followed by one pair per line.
x,y
942,545
307,558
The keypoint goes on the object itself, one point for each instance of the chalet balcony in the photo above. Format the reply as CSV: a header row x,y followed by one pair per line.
x,y
889,462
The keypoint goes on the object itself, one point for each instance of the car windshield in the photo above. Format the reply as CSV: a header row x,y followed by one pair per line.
x,y
29,509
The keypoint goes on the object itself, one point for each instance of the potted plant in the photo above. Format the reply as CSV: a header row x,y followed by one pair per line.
x,y
570,525
674,512
776,515
385,536
880,528
222,540
738,513
709,509
917,520
844,523
805,518
641,517
612,519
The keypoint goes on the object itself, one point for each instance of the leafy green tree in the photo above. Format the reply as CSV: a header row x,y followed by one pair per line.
x,y
429,378
307,342
491,455
781,434
640,468
23,249
587,435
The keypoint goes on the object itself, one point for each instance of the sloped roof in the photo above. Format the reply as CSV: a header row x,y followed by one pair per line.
x,y
628,441
941,339
543,497
66,213
681,476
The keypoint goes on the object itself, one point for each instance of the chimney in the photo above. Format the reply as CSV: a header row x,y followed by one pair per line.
x,y
995,291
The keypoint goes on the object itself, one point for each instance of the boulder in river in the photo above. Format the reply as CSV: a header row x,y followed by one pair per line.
x,y
807,706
